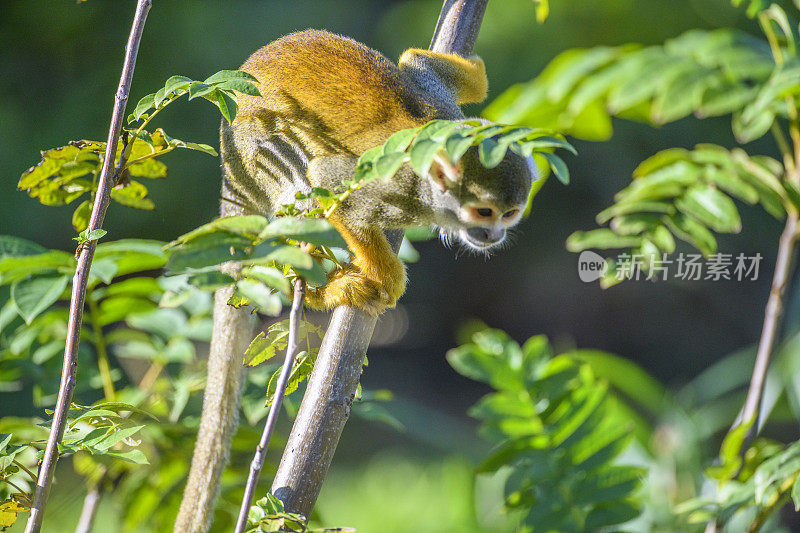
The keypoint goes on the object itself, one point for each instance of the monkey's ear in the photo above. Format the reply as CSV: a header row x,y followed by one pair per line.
x,y
465,77
443,173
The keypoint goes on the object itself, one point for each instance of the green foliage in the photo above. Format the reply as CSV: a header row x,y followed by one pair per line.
x,y
219,89
542,9
68,173
270,251
444,141
772,478
686,194
559,434
708,73
754,7
98,428
268,515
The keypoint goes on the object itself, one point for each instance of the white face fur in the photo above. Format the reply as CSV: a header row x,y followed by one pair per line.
x,y
481,224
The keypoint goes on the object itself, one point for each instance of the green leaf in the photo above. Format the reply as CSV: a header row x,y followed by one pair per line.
x,y
265,345
316,231
260,296
133,195
287,255
13,268
399,141
457,145
600,238
239,85
87,236
755,128
388,164
301,369
627,377
271,276
610,514
11,246
710,207
547,142
197,89
730,182
210,281
227,75
491,152
634,224
421,156
148,168
34,295
207,251
143,106
689,230
134,456
725,98
559,167
80,218
226,105
176,84
660,160
627,208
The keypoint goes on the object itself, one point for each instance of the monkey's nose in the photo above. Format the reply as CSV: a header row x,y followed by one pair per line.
x,y
486,235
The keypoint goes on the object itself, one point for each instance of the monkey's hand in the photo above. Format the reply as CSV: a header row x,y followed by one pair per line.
x,y
373,282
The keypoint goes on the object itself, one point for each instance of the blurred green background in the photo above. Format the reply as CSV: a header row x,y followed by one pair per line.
x,y
60,67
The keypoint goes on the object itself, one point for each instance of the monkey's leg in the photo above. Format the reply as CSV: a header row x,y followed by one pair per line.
x,y
376,278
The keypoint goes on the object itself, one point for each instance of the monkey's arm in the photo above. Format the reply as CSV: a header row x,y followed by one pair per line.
x,y
376,278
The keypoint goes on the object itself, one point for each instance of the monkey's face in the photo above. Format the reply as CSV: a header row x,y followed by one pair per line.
x,y
477,205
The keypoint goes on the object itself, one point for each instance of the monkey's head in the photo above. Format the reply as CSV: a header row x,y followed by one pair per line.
x,y
477,205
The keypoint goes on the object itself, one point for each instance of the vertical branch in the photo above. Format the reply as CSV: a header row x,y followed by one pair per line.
x,y
233,331
68,372
772,321
332,385
90,504
274,409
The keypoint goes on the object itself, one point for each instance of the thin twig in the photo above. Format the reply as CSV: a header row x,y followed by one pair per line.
x,y
24,469
277,398
67,386
331,387
772,320
90,504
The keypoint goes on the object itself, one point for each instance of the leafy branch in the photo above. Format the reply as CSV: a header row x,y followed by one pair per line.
x,y
67,173
559,433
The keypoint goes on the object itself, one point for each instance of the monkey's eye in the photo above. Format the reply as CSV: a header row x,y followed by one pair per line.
x,y
485,212
509,214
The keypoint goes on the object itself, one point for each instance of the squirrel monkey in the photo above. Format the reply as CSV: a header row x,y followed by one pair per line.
x,y
326,99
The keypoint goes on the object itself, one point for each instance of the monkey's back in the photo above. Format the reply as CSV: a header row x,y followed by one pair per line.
x,y
320,82
321,94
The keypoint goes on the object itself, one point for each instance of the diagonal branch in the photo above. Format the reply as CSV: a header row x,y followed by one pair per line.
x,y
332,385
67,386
274,409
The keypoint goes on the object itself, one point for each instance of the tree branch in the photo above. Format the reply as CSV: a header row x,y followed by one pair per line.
x,y
274,409
67,386
90,504
772,321
331,387
233,331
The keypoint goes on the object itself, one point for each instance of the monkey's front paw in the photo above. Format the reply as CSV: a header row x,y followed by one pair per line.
x,y
348,286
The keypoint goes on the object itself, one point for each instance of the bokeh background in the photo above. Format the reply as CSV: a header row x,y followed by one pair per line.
x,y
60,65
